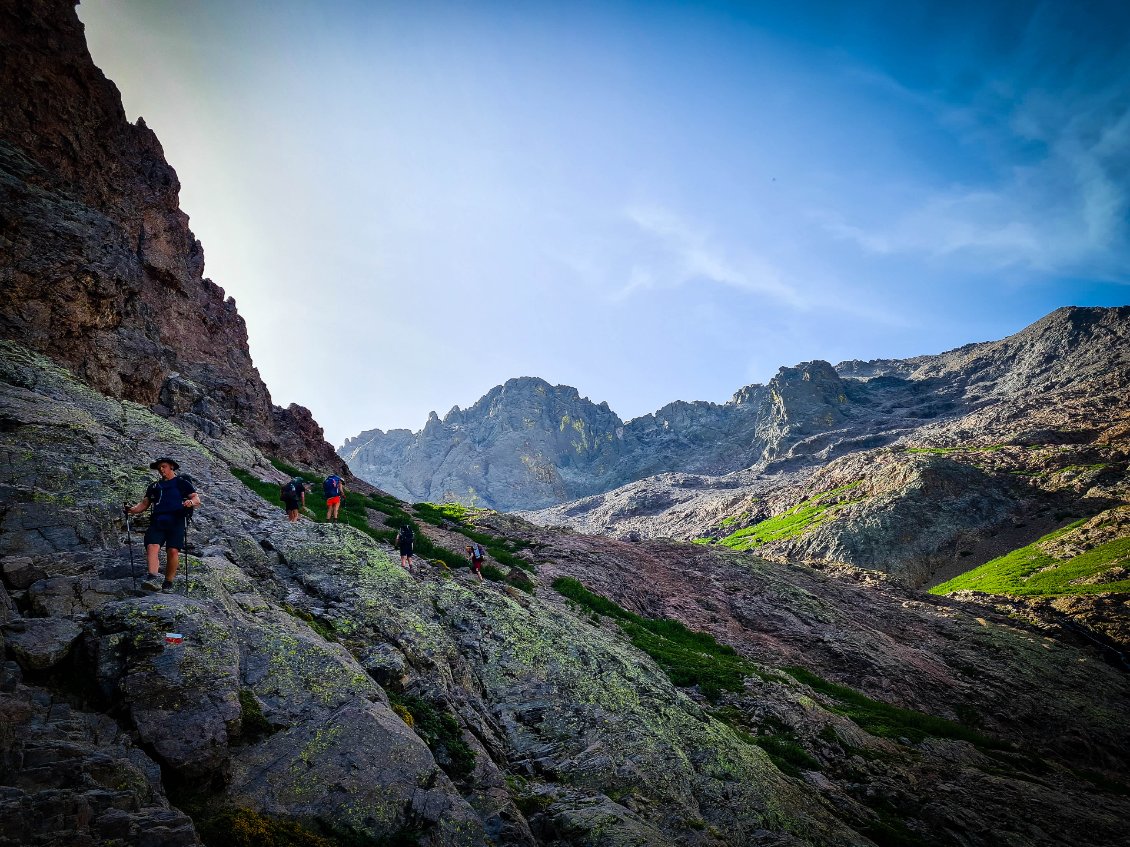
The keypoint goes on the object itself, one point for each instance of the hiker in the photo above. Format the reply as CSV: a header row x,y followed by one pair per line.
x,y
172,497
334,489
293,495
404,544
475,551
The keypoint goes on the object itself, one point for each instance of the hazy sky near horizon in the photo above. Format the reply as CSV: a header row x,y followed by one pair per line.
x,y
412,202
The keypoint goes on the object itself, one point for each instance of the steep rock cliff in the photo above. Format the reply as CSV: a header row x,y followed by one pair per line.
x,y
99,269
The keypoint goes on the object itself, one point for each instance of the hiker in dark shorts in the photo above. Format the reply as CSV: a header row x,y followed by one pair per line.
x,y
293,495
171,497
404,544
475,553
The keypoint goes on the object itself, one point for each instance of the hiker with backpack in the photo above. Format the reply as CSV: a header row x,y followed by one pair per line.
x,y
475,552
334,489
293,495
172,498
403,543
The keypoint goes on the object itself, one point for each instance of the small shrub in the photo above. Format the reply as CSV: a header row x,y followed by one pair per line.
x,y
689,658
247,828
889,721
253,724
440,731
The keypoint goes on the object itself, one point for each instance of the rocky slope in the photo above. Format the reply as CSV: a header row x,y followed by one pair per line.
x,y
98,267
312,667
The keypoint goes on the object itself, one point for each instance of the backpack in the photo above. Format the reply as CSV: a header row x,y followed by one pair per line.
x,y
476,551
332,486
290,491
404,536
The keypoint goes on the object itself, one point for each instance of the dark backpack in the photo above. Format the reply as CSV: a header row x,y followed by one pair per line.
x,y
332,486
404,536
290,491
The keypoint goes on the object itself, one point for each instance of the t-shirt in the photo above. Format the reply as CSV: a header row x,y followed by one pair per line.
x,y
165,496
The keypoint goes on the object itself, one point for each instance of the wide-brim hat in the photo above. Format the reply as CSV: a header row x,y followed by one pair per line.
x,y
156,462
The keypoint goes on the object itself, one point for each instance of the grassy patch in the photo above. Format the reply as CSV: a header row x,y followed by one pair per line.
x,y
440,731
787,754
798,520
252,722
246,828
945,451
502,550
686,656
354,512
1030,571
889,721
319,626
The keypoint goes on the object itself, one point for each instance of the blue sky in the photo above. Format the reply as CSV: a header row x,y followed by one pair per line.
x,y
414,201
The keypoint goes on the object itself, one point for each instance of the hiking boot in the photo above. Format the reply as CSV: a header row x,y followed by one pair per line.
x,y
166,587
152,584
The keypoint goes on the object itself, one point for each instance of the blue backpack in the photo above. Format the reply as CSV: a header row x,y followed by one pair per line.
x,y
332,486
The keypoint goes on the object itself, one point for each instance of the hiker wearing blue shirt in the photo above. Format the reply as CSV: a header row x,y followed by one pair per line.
x,y
334,489
172,497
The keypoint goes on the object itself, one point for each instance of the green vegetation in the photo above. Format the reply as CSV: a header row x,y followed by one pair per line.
x,y
354,512
687,657
786,753
252,722
1029,571
440,731
502,550
796,521
889,721
319,626
246,828
945,451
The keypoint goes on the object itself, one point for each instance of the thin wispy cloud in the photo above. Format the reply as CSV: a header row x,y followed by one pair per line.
x,y
1054,138
683,254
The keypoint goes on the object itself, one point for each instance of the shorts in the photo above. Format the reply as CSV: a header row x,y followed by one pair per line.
x,y
333,501
476,565
290,505
170,533
406,550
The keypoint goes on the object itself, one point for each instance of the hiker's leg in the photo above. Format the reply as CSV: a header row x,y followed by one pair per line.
x,y
172,561
152,558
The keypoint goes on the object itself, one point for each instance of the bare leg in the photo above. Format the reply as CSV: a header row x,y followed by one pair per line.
x,y
152,558
172,561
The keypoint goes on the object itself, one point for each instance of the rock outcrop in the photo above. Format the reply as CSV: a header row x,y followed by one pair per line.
x,y
98,266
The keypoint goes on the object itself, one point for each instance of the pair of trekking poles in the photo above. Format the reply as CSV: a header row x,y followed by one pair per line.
x,y
133,567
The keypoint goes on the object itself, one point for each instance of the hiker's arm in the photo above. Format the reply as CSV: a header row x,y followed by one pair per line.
x,y
192,501
139,508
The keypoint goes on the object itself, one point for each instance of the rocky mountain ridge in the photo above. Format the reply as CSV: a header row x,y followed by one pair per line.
x,y
527,445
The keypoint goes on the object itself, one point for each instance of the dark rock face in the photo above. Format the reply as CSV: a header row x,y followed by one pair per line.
x,y
99,269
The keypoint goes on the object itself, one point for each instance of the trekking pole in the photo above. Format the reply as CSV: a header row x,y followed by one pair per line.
x,y
129,542
187,558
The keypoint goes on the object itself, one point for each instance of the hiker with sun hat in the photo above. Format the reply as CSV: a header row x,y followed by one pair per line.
x,y
172,498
